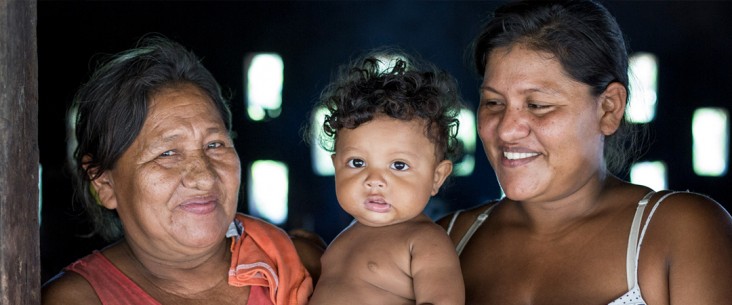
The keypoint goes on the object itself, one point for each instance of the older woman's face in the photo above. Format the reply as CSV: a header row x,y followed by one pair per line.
x,y
176,187
540,128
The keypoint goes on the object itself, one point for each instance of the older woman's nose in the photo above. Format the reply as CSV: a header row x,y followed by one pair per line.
x,y
199,173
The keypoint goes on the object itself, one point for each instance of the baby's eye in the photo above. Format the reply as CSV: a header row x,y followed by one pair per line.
x,y
400,166
356,163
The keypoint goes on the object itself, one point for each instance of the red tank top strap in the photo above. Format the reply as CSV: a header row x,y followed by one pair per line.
x,y
259,295
111,285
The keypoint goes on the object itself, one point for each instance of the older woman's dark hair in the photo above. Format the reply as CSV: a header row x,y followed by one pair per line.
x,y
112,107
389,82
583,36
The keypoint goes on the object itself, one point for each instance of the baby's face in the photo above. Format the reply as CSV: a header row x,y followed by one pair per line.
x,y
386,170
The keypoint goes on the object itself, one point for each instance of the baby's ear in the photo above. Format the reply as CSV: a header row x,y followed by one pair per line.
x,y
101,187
442,171
612,107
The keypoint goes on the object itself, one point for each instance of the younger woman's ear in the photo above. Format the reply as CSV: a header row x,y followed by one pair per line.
x,y
442,171
612,107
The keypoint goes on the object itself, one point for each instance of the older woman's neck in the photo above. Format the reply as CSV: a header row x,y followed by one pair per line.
x,y
189,275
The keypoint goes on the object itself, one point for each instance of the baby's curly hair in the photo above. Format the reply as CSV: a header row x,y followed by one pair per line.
x,y
392,83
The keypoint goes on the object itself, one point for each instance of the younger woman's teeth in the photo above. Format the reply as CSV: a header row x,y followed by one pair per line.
x,y
516,155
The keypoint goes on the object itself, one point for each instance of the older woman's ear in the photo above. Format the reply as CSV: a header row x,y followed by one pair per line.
x,y
100,187
612,107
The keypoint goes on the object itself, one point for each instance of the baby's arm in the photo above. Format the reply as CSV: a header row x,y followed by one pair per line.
x,y
436,268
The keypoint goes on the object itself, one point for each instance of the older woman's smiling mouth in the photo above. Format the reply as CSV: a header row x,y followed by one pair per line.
x,y
200,206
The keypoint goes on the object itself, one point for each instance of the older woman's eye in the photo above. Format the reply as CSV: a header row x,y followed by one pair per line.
x,y
400,166
356,163
215,145
168,153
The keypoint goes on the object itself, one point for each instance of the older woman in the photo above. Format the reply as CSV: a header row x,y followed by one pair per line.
x,y
551,119
156,166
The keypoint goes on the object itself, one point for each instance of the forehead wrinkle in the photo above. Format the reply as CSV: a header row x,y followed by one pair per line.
x,y
178,133
544,90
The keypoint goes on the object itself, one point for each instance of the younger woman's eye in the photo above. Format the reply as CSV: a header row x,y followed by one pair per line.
x,y
492,105
356,163
400,166
489,103
538,106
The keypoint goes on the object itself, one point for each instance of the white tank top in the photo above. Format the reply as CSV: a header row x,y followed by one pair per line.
x,y
635,239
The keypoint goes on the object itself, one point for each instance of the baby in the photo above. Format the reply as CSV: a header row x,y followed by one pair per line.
x,y
391,125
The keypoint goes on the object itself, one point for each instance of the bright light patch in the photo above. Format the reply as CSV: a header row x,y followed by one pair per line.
x,y
651,174
264,85
322,164
711,141
268,187
388,61
643,74
466,135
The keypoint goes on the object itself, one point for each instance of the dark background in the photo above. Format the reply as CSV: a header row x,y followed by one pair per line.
x,y
692,40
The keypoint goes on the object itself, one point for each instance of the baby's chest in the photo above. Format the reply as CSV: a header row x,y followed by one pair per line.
x,y
373,258
383,269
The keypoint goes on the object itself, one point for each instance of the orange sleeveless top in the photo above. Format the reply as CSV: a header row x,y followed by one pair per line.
x,y
114,288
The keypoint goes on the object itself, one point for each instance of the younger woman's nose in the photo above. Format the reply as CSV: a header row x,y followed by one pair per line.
x,y
513,125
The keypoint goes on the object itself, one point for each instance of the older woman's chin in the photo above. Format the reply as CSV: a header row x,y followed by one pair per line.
x,y
204,232
201,238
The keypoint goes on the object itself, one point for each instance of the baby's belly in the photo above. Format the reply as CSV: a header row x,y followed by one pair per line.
x,y
369,290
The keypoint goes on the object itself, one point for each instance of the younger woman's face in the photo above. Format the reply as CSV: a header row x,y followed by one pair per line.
x,y
540,128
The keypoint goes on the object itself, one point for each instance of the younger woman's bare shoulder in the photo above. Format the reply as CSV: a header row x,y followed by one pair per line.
x,y
693,235
688,213
68,288
688,225
689,207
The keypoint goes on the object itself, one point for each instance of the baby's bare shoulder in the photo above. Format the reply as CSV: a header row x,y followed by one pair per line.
x,y
426,229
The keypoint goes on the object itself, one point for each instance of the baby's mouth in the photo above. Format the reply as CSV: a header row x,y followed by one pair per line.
x,y
377,204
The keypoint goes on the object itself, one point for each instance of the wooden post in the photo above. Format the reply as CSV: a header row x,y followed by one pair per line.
x,y
19,229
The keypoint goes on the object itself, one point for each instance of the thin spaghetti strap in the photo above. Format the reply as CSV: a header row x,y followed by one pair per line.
x,y
474,227
452,221
630,260
645,227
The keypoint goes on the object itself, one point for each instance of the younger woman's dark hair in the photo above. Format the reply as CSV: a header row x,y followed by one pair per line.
x,y
392,83
586,40
111,107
